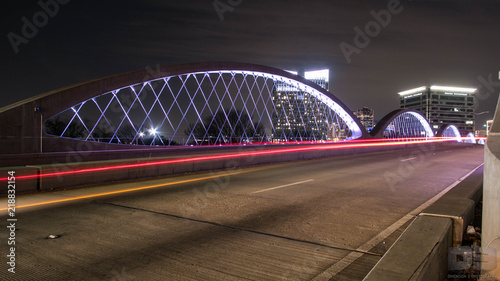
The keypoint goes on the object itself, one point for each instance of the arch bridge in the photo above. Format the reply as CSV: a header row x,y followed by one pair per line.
x,y
192,104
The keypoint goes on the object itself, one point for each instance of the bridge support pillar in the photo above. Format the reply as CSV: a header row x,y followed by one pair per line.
x,y
490,264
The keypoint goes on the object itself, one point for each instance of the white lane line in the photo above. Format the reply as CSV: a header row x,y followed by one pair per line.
x,y
353,256
408,159
276,187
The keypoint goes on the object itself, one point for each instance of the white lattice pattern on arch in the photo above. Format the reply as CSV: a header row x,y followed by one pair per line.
x,y
451,131
408,125
212,107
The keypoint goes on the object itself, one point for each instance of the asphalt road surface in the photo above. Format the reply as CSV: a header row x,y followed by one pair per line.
x,y
323,219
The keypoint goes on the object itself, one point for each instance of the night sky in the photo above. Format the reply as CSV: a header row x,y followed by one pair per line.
x,y
423,43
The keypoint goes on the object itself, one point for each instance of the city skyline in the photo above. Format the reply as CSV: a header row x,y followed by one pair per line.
x,y
408,44
256,140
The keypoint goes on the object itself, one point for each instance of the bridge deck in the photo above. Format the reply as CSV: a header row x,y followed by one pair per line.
x,y
262,223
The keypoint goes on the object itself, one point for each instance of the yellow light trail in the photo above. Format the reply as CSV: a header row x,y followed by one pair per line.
x,y
132,189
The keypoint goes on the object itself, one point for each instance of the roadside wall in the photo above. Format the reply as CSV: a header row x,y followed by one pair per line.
x,y
491,199
250,155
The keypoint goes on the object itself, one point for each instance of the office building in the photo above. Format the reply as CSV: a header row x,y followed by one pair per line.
x,y
320,77
366,117
442,105
301,116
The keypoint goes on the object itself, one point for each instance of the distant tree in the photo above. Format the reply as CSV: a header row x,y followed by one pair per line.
x,y
101,133
56,127
226,127
126,133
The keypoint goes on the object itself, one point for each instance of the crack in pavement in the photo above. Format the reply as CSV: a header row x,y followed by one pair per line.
x,y
245,230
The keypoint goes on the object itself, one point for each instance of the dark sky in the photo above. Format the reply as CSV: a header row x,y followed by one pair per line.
x,y
427,42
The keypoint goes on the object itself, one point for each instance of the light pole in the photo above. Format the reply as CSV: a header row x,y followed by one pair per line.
x,y
37,109
480,113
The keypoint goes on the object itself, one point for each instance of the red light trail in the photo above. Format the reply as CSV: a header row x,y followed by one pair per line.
x,y
322,146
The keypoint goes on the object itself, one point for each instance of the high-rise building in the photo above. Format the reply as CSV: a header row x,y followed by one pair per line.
x,y
366,117
296,117
442,105
320,77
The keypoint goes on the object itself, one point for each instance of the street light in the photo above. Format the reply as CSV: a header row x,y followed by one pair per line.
x,y
141,134
37,109
480,113
153,132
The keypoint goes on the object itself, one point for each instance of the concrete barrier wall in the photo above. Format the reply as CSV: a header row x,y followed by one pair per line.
x,y
491,200
422,251
132,173
491,212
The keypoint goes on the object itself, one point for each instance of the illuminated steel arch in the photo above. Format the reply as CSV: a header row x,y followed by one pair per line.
x,y
207,103
449,131
471,138
403,124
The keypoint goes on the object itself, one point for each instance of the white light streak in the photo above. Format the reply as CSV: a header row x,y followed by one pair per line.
x,y
412,91
453,89
323,74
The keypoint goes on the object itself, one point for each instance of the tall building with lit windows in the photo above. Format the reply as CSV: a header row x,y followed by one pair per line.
x,y
442,105
366,117
320,77
296,118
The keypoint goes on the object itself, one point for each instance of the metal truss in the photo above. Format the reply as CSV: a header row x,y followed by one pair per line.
x,y
408,125
212,107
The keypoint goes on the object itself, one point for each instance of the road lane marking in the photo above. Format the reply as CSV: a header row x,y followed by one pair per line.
x,y
281,186
408,159
353,256
131,189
